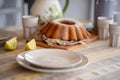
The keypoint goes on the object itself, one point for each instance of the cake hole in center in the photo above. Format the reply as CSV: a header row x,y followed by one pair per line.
x,y
67,22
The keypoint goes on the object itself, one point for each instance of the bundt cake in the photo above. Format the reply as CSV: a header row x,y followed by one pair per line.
x,y
64,32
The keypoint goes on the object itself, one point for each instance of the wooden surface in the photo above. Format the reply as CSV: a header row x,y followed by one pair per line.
x,y
104,64
92,38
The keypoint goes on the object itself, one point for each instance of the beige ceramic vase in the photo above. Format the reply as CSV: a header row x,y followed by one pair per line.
x,y
48,10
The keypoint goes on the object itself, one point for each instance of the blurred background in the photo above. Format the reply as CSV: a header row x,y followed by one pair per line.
x,y
11,11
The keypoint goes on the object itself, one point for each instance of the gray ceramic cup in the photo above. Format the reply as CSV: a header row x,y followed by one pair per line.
x,y
114,30
103,27
29,25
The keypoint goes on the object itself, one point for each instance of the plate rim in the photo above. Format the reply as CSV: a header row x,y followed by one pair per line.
x,y
49,70
46,66
4,37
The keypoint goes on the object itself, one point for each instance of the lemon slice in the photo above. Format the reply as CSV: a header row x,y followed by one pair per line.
x,y
11,44
30,45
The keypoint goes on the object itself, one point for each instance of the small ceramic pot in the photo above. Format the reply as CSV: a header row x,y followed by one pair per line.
x,y
103,27
29,25
114,34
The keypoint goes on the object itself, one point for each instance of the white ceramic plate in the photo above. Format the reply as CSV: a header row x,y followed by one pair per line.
x,y
3,36
21,61
52,58
3,39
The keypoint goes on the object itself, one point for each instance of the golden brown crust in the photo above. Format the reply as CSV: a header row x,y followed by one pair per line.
x,y
79,34
88,34
69,31
57,32
65,33
51,30
72,33
84,32
46,28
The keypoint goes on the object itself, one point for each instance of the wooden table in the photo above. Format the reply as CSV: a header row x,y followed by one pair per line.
x,y
104,64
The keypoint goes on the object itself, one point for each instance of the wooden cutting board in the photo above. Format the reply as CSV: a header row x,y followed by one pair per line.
x,y
92,38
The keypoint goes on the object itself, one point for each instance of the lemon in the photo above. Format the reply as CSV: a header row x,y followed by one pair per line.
x,y
11,44
30,45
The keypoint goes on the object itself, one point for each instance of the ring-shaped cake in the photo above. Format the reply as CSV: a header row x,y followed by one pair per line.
x,y
64,32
